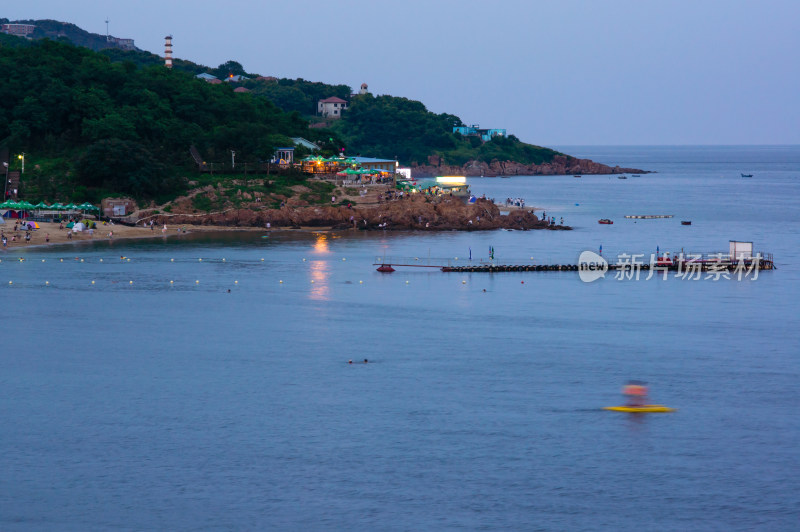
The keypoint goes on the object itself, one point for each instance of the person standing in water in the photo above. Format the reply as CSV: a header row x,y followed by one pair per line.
x,y
635,393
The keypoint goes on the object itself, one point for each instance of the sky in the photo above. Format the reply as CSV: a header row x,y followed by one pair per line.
x,y
553,73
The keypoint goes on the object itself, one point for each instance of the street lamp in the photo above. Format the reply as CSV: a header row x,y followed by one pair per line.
x,y
5,190
233,159
21,157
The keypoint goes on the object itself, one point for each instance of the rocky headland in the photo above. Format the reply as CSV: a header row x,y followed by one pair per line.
x,y
560,165
411,213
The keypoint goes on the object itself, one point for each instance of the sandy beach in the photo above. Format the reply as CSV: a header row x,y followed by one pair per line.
x,y
50,234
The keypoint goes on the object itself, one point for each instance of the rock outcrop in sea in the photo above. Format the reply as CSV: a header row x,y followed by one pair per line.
x,y
560,165
416,213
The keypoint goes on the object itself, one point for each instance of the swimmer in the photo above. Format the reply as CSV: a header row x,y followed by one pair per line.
x,y
350,361
365,361
636,393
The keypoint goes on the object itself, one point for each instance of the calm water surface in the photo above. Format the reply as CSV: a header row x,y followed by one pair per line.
x,y
177,406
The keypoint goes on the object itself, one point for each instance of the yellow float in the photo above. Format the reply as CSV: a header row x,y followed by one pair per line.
x,y
643,409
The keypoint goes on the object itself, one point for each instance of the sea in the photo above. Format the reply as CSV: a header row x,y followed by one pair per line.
x,y
204,382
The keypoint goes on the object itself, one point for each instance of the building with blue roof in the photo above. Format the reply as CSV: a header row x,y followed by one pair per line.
x,y
475,131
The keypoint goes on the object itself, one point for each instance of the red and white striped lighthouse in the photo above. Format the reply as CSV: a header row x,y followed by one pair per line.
x,y
168,51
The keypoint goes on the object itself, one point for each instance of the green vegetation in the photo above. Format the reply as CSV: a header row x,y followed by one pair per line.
x,y
116,122
389,126
124,128
297,94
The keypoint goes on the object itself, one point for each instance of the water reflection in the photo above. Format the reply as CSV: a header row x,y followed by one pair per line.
x,y
320,287
321,243
320,271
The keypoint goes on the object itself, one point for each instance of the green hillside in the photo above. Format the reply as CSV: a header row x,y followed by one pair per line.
x,y
121,127
400,127
117,121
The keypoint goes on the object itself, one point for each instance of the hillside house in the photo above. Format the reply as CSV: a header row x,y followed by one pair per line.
x,y
331,107
20,30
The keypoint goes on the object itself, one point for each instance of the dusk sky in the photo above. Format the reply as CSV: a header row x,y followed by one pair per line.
x,y
552,73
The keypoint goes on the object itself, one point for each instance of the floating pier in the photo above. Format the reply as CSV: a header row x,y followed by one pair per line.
x,y
683,262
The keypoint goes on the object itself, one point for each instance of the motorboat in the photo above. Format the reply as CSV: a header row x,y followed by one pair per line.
x,y
605,221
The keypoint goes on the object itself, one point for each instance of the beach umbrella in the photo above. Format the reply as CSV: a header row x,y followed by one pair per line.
x,y
57,207
8,204
41,205
70,207
351,171
26,205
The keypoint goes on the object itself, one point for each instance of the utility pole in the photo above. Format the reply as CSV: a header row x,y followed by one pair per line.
x,y
233,159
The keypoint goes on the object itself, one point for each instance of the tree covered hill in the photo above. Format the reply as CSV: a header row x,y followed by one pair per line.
x,y
76,106
405,128
55,30
118,121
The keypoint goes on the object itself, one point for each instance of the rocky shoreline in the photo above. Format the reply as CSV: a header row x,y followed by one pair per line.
x,y
560,165
412,213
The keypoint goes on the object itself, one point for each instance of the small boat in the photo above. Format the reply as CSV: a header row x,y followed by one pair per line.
x,y
622,177
643,409
747,175
576,176
386,268
635,175
605,221
686,222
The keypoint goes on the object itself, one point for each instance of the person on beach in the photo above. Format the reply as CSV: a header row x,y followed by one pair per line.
x,y
111,234
5,241
69,235
27,237
47,237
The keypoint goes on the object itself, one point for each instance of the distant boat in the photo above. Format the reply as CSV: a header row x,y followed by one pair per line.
x,y
635,175
747,175
686,222
622,177
605,221
576,176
